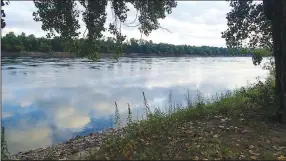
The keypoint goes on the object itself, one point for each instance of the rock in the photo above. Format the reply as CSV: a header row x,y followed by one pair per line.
x,y
251,147
223,120
72,147
216,136
220,126
65,158
244,131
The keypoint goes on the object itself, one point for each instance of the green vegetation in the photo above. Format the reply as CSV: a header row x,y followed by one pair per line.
x,y
12,43
4,148
261,25
235,125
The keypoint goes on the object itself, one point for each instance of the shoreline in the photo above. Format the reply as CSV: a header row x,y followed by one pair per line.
x,y
238,125
71,149
102,55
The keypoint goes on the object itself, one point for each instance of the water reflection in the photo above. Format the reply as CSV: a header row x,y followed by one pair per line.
x,y
46,101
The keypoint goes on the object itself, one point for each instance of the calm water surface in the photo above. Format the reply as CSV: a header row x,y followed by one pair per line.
x,y
47,101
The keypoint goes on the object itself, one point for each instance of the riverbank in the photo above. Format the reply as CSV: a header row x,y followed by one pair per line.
x,y
102,55
237,125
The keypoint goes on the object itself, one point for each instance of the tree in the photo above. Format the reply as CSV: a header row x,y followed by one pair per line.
x,y
61,17
255,25
13,43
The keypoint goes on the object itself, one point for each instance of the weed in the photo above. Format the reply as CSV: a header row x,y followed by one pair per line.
x,y
169,134
117,116
129,117
5,155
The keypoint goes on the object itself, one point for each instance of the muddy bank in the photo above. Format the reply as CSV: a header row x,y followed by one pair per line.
x,y
73,149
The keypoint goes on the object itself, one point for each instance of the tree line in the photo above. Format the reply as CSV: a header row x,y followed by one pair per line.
x,y
30,43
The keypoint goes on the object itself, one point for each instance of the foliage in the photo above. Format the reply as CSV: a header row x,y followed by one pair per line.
x,y
117,116
3,23
5,155
230,127
13,43
248,27
61,17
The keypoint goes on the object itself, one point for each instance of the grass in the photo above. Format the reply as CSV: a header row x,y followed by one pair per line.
x,y
5,155
235,125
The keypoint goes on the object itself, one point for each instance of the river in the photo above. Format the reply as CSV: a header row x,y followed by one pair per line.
x,y
47,101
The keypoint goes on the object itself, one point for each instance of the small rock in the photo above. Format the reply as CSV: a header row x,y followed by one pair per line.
x,y
216,136
244,131
65,158
223,120
253,157
251,147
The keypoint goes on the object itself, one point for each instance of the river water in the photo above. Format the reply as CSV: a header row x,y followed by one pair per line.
x,y
47,101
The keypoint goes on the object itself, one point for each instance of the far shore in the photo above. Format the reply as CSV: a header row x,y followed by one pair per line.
x,y
102,55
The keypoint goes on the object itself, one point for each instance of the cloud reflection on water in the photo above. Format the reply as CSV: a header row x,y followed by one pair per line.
x,y
50,104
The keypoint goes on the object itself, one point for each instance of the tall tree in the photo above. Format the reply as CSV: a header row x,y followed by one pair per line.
x,y
61,17
254,24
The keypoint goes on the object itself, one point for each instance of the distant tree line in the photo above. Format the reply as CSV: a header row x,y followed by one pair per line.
x,y
12,43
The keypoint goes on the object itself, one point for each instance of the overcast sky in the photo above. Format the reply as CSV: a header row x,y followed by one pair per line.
x,y
193,23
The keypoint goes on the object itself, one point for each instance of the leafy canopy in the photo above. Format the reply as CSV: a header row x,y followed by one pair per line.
x,y
61,17
248,29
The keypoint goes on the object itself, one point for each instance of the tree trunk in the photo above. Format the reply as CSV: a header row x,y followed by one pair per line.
x,y
281,57
272,10
276,30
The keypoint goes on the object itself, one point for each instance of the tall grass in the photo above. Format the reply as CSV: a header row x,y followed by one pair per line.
x,y
254,98
5,155
258,94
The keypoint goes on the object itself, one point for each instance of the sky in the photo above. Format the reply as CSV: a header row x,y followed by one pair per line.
x,y
191,22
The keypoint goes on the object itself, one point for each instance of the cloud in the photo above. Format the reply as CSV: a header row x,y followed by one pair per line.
x,y
6,114
28,139
70,118
191,22
28,136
